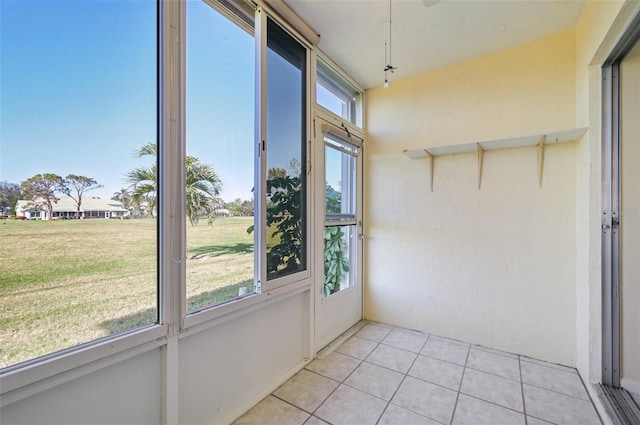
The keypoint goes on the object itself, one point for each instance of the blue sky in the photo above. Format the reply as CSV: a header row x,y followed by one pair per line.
x,y
78,92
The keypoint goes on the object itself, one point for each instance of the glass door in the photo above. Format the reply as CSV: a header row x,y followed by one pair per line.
x,y
338,284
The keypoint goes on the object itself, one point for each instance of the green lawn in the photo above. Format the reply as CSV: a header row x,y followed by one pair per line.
x,y
63,283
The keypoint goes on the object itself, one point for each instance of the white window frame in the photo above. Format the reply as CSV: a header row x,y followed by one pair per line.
x,y
25,379
359,103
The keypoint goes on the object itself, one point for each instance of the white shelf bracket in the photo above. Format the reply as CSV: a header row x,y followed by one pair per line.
x,y
541,144
480,162
431,159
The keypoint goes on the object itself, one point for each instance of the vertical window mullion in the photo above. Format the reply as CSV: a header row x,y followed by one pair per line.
x,y
260,208
171,166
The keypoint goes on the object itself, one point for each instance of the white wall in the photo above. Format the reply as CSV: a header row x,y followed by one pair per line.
x,y
222,371
125,393
228,368
497,266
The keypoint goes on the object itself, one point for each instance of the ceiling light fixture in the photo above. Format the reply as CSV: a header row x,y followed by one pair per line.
x,y
387,51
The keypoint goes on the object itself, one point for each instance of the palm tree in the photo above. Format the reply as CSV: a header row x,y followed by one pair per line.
x,y
202,185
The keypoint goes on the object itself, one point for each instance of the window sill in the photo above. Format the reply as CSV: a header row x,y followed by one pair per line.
x,y
26,379
219,314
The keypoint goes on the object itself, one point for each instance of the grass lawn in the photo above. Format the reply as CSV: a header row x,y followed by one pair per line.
x,y
63,283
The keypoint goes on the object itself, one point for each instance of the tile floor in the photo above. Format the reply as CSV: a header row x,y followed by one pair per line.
x,y
384,375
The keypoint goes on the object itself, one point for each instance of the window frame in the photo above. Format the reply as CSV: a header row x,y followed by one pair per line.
x,y
346,79
23,379
268,286
173,321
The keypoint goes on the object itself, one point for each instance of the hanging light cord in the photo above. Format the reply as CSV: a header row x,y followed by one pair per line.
x,y
388,67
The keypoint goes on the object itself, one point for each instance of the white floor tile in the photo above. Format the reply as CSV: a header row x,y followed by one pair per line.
x,y
494,389
375,380
429,381
494,364
272,411
438,349
315,421
392,358
471,411
374,332
426,399
491,350
335,366
437,372
535,421
357,347
306,390
558,408
396,415
548,364
405,341
553,379
348,406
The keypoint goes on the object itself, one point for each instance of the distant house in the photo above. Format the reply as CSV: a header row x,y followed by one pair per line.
x,y
91,207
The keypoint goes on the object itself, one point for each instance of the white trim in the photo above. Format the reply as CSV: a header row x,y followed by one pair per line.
x,y
292,18
260,156
235,308
57,368
275,16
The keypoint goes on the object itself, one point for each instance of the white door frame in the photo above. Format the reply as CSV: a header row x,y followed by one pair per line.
x,y
335,314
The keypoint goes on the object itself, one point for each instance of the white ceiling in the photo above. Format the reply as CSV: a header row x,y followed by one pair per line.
x,y
427,34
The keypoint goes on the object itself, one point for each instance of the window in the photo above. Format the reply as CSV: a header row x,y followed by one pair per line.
x,y
286,154
94,252
340,229
220,102
79,95
335,93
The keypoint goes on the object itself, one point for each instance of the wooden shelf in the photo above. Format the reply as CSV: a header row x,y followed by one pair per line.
x,y
539,140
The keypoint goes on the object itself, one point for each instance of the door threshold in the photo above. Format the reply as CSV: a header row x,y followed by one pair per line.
x,y
621,404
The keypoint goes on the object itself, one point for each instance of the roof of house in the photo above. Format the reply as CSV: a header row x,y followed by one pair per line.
x,y
89,203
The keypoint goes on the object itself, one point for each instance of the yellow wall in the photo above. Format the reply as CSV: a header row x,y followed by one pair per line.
x,y
496,266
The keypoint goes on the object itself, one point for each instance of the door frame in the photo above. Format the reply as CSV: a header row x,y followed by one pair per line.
x,y
610,233
346,130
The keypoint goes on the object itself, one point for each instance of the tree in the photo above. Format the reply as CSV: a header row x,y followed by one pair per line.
x,y
203,188
75,186
123,196
202,185
41,190
284,215
144,179
10,193
333,199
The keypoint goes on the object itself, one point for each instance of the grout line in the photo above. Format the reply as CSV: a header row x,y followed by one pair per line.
x,y
494,351
493,403
497,376
315,373
401,382
549,365
546,421
558,392
290,404
399,348
524,407
455,405
442,360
